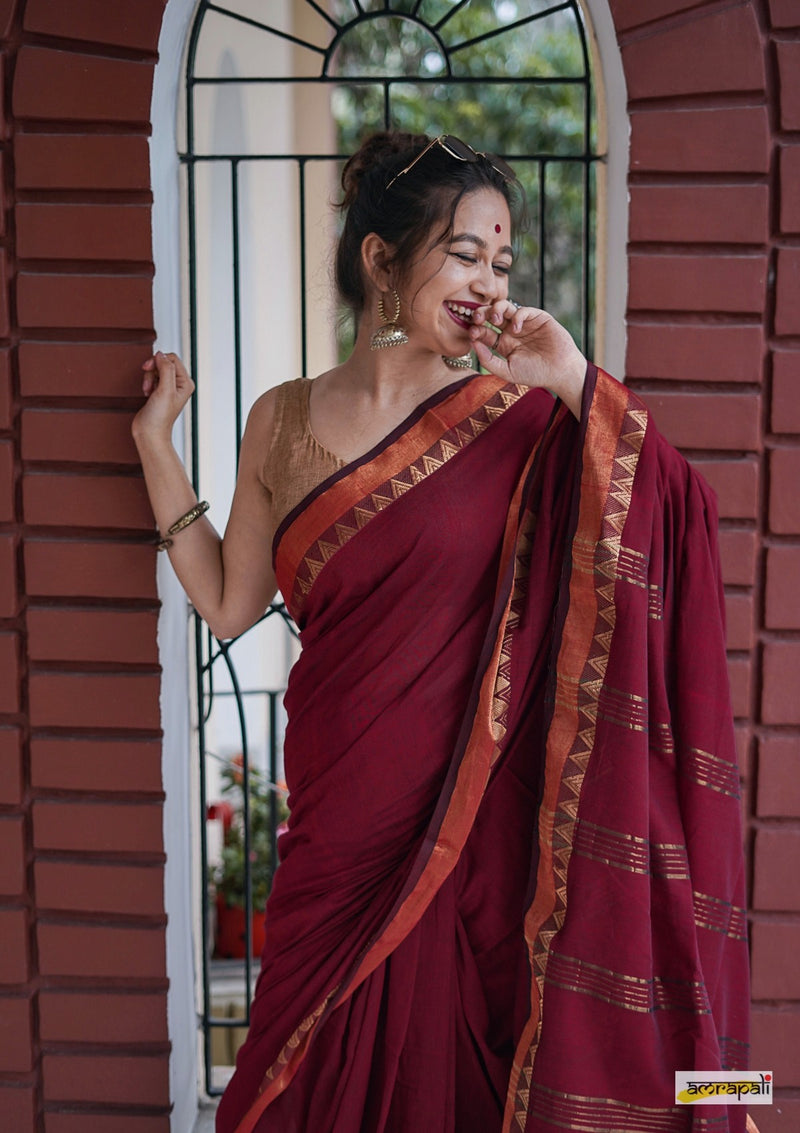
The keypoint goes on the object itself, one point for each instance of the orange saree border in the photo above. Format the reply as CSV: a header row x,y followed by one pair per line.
x,y
480,752
340,511
614,436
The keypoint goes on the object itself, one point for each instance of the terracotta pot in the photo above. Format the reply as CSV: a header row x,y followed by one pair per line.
x,y
230,935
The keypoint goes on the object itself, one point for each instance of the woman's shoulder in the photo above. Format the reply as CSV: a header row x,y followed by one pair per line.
x,y
267,409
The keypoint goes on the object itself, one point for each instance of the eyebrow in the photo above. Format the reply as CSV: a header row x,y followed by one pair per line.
x,y
472,239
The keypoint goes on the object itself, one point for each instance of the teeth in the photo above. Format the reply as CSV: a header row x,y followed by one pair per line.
x,y
466,312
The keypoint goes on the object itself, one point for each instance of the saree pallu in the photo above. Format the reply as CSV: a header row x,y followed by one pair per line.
x,y
510,895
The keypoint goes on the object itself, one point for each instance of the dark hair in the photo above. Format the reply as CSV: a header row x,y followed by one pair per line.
x,y
416,212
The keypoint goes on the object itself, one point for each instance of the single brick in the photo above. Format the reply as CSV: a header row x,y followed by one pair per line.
x,y
10,766
789,198
14,953
12,856
123,1080
780,703
16,1037
83,232
730,140
784,498
776,884
736,485
58,85
18,1107
788,54
76,301
685,58
9,673
93,635
739,674
95,700
737,548
729,284
9,596
742,738
786,391
7,10
782,609
709,353
95,888
706,420
97,369
96,765
98,21
775,971
6,393
106,1123
82,161
5,323
784,14
787,301
101,952
739,620
84,1017
66,435
93,827
779,776
66,500
775,1041
7,478
703,214
63,568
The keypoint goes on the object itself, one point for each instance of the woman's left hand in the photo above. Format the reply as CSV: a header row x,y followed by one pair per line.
x,y
527,346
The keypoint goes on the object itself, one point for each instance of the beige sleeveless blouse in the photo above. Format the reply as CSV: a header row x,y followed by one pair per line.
x,y
296,462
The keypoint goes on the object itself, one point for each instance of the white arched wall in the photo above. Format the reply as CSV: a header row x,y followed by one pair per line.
x,y
180,884
612,212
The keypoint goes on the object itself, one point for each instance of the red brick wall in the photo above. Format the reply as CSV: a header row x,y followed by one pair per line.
x,y
714,344
83,1032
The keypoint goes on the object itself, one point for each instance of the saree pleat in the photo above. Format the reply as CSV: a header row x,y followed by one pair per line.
x,y
510,893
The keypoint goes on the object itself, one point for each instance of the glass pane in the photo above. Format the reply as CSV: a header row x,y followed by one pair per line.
x,y
229,46
511,119
564,237
390,45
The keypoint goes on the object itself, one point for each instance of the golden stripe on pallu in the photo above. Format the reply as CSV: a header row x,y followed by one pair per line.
x,y
614,437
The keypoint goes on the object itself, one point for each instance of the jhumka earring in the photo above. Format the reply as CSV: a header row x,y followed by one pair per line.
x,y
389,333
464,362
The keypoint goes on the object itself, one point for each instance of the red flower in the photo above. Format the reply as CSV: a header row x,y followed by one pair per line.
x,y
223,811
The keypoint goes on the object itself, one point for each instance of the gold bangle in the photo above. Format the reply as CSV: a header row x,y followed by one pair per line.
x,y
185,520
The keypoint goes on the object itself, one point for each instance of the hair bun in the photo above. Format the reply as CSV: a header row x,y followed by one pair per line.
x,y
378,152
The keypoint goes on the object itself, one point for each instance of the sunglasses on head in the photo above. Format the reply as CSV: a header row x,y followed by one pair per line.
x,y
461,152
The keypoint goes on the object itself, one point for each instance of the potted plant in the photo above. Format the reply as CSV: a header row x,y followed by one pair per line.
x,y
229,875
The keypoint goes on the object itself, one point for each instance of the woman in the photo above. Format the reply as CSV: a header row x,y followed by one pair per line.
x,y
510,894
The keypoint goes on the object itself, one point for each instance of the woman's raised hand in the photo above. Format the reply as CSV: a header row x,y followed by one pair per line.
x,y
527,346
167,387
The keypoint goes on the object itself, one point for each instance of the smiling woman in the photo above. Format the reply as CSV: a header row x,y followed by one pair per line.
x,y
488,725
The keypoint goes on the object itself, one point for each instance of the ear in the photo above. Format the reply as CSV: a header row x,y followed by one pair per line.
x,y
376,261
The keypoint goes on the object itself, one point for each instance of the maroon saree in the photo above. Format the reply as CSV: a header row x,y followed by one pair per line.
x,y
511,891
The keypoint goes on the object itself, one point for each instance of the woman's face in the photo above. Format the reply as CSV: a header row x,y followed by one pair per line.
x,y
453,279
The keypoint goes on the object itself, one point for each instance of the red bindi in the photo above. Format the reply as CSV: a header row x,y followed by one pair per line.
x,y
497,228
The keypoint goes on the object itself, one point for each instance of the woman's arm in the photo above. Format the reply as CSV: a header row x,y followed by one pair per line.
x,y
229,581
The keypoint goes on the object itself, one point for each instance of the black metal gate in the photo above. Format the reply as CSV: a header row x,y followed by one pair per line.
x,y
509,76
